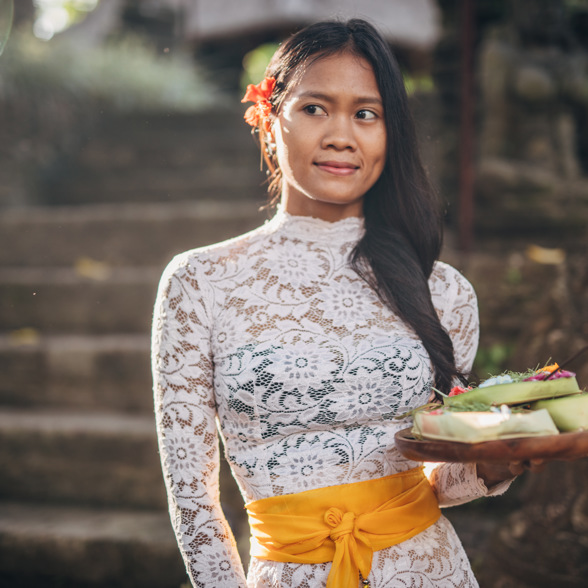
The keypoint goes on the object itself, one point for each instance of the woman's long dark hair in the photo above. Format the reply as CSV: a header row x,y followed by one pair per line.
x,y
403,221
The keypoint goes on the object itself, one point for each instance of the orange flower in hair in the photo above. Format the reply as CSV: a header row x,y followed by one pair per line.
x,y
262,108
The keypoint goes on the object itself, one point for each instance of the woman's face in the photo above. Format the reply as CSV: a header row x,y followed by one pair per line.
x,y
331,138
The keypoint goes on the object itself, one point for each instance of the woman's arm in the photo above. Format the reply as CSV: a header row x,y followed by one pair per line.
x,y
185,413
457,306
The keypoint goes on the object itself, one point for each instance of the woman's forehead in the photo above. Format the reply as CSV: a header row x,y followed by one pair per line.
x,y
345,73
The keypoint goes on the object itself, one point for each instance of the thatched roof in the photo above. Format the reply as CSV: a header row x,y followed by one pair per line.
x,y
412,23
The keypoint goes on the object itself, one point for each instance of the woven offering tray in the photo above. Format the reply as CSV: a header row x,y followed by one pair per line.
x,y
565,446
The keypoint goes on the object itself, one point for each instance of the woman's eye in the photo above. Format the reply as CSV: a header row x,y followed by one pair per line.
x,y
366,114
314,109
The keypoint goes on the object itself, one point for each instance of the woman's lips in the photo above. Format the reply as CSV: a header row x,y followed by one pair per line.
x,y
337,168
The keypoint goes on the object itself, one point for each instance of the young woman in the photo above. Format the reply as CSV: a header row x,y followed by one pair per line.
x,y
302,339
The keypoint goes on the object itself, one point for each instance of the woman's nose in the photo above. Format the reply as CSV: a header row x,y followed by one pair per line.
x,y
339,134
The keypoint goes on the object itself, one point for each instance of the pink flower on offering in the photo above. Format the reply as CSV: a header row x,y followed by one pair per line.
x,y
544,375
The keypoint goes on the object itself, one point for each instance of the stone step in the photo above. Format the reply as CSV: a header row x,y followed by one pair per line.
x,y
107,372
63,300
211,180
152,136
102,154
174,148
152,158
117,234
46,546
102,459
201,148
212,122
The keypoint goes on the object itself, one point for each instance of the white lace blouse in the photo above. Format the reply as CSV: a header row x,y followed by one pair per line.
x,y
272,340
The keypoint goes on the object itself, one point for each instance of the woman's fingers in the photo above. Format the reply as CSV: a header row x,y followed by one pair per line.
x,y
494,473
516,468
537,465
533,465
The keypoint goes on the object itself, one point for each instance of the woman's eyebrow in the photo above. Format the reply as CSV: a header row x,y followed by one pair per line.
x,y
327,98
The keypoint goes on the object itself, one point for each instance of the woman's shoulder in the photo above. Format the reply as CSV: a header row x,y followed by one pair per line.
x,y
208,257
448,283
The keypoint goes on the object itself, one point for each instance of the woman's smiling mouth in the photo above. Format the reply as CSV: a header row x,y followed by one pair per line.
x,y
337,168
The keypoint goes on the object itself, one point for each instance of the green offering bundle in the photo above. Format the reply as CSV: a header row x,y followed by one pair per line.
x,y
540,402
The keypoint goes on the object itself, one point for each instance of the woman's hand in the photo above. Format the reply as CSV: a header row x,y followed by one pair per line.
x,y
494,473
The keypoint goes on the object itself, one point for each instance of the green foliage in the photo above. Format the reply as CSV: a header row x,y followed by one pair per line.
x,y
255,62
76,9
490,361
514,277
126,73
418,84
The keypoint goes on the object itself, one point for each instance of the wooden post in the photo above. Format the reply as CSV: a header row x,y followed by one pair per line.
x,y
466,134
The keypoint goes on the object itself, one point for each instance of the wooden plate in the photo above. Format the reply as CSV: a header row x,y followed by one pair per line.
x,y
565,446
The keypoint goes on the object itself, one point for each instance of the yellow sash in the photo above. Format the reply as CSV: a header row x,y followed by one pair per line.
x,y
344,524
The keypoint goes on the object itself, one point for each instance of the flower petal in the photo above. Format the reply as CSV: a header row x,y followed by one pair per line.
x,y
251,115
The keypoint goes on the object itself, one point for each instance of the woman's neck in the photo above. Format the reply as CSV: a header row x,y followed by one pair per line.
x,y
327,211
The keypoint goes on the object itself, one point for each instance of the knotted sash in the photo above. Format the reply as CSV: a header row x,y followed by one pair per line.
x,y
344,524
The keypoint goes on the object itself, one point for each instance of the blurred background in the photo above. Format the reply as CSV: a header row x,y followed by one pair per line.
x,y
122,143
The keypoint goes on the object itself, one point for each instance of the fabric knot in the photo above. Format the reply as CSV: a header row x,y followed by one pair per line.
x,y
341,523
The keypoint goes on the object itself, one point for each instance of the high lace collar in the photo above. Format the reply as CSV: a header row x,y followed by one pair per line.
x,y
309,228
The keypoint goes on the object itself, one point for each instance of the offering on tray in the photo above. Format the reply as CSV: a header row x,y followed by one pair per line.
x,y
536,403
569,413
515,389
475,426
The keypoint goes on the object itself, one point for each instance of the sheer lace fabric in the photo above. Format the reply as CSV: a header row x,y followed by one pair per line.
x,y
271,339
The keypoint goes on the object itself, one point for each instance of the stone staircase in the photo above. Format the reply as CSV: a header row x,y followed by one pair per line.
x,y
82,501
180,157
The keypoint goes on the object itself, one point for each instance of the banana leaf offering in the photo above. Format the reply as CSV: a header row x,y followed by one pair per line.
x,y
539,402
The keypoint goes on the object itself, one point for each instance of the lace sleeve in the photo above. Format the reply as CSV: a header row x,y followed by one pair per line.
x,y
458,483
457,306
185,414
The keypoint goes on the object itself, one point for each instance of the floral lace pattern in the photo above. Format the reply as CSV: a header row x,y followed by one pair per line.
x,y
275,341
